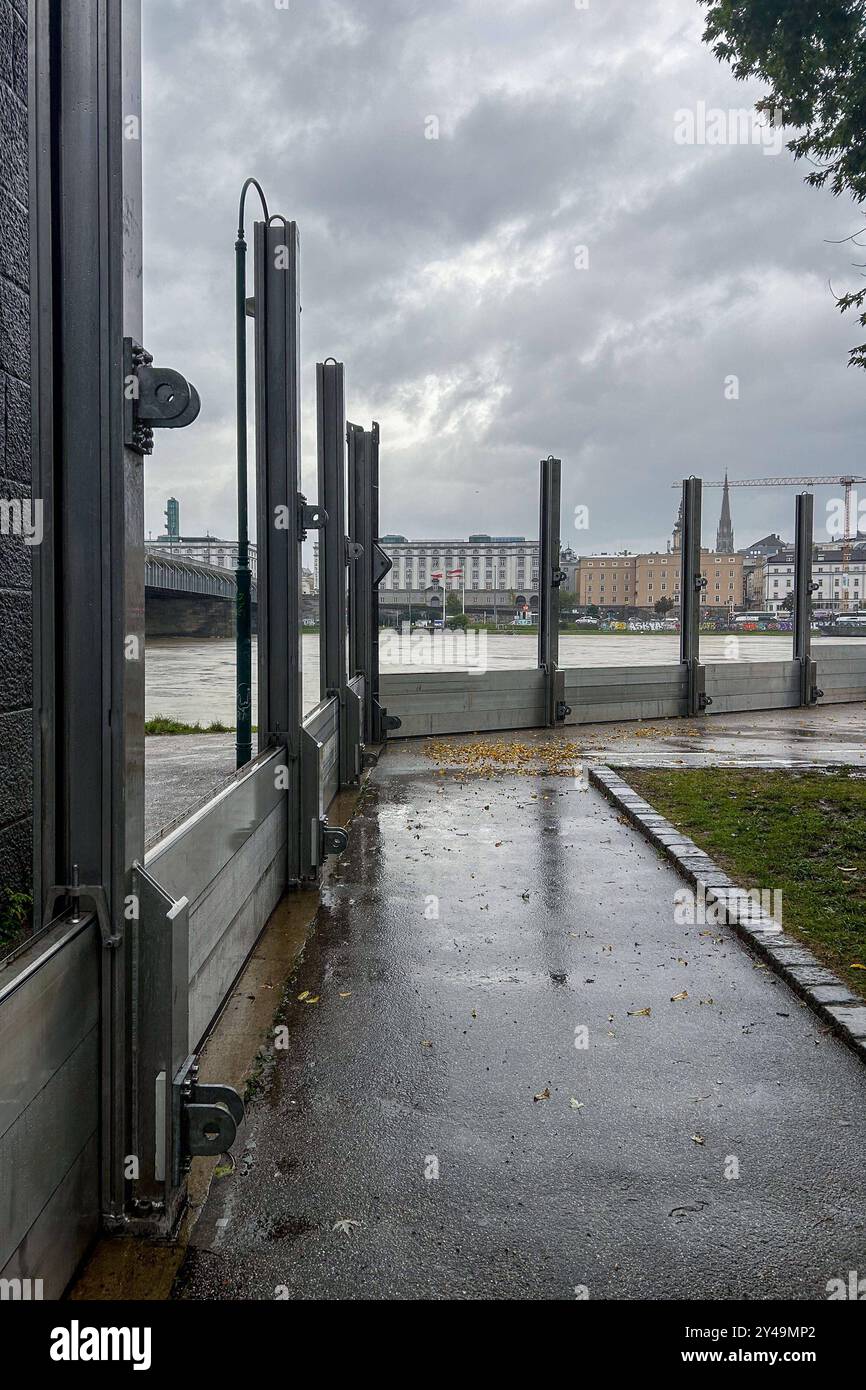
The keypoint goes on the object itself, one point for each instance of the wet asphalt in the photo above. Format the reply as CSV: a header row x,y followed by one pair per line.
x,y
433,1100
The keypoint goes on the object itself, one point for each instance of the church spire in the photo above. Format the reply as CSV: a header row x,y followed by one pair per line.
x,y
725,533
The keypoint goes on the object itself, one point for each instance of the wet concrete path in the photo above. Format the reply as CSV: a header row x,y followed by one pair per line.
x,y
432,1036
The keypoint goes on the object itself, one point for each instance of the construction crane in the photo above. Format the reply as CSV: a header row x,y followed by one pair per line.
x,y
847,480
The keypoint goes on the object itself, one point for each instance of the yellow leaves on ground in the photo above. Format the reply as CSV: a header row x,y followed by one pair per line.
x,y
554,757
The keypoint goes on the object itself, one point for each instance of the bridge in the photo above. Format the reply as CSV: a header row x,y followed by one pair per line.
x,y
188,598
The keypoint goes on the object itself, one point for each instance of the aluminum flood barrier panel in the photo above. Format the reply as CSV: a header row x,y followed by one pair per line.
x,y
229,860
459,702
601,694
841,672
320,782
49,1106
740,686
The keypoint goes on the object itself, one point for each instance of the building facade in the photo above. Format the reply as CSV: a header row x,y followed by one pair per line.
x,y
839,572
486,563
642,581
206,550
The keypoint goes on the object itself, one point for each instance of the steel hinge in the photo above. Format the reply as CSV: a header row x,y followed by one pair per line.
x,y
310,517
354,550
562,711
333,839
558,579
207,1115
153,398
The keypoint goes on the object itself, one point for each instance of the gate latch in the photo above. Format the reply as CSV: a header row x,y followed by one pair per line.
x,y
153,398
208,1115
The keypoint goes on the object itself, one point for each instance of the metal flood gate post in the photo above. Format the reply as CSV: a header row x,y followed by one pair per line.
x,y
97,401
89,571
550,577
803,591
283,514
692,585
335,550
368,566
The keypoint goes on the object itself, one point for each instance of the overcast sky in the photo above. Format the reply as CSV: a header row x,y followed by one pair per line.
x,y
447,273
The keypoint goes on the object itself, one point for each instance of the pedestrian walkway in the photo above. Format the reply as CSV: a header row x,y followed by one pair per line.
x,y
511,1074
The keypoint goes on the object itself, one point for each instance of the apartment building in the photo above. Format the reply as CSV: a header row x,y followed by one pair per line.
x,y
840,577
641,581
494,563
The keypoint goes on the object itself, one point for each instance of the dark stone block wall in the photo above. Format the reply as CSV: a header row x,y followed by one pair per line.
x,y
16,691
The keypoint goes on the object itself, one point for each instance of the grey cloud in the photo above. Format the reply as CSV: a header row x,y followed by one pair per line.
x,y
442,272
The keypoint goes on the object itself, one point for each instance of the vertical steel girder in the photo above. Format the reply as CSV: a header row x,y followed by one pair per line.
x,y
97,399
692,585
334,552
368,566
550,577
803,590
281,508
85,81
361,535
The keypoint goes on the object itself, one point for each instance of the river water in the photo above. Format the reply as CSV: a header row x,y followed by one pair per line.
x,y
194,680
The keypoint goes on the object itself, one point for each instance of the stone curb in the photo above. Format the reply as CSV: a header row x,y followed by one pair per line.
x,y
829,996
